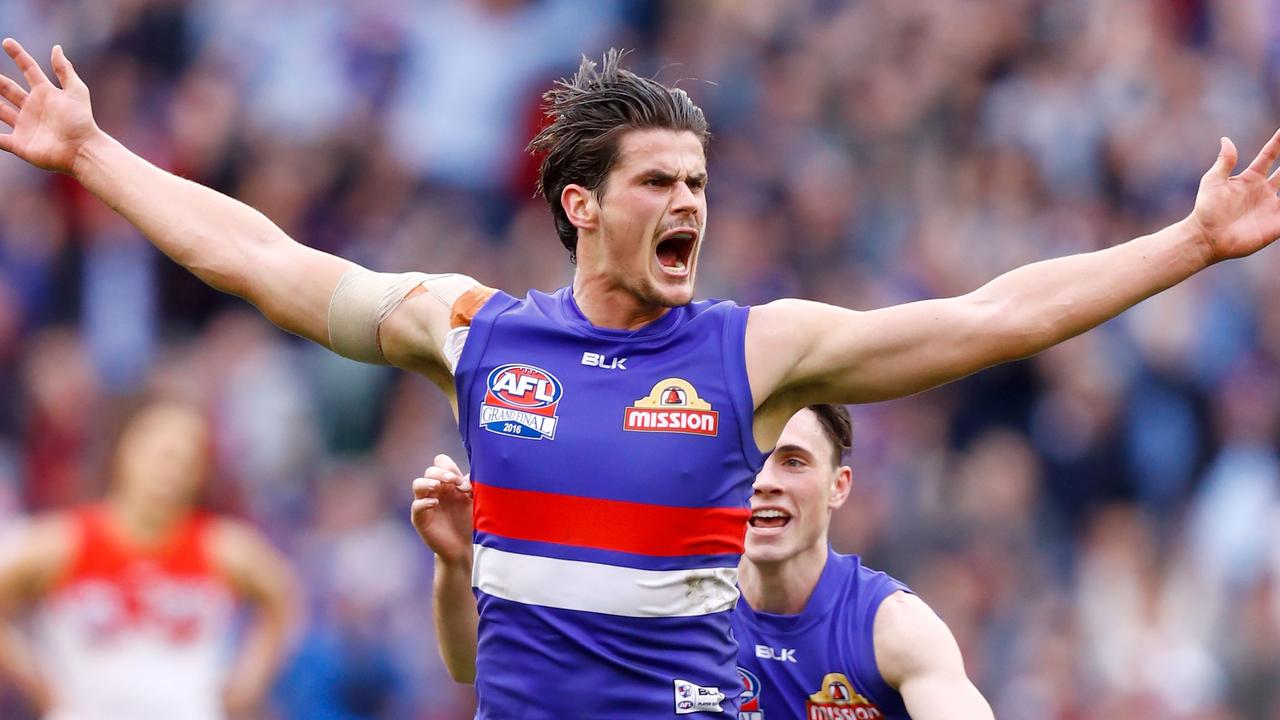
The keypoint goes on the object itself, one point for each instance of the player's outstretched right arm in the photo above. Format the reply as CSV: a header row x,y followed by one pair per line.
x,y
224,242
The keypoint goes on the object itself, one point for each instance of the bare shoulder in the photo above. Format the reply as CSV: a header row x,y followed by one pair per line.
x,y
911,639
783,337
414,335
777,335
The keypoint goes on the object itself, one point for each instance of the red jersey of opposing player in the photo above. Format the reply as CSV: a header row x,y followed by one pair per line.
x,y
136,631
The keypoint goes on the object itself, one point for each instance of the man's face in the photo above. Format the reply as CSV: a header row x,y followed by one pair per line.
x,y
162,458
795,493
653,212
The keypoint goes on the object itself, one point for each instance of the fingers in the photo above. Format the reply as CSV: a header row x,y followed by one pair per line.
x,y
1227,157
420,511
6,143
27,64
435,481
447,463
12,91
8,114
67,76
1267,155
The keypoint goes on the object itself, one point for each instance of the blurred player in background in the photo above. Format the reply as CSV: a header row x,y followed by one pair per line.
x,y
133,599
620,578
819,635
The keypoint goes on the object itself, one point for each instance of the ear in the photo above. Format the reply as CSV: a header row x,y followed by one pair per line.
x,y
580,206
840,486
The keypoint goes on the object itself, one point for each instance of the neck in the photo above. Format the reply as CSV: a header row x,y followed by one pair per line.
x,y
140,522
606,305
784,587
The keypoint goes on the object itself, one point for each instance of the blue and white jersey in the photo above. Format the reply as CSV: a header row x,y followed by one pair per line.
x,y
820,664
612,474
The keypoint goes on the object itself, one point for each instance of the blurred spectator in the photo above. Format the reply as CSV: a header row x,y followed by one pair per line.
x,y
1095,524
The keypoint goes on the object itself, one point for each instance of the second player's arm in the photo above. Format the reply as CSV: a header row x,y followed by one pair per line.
x,y
917,654
441,513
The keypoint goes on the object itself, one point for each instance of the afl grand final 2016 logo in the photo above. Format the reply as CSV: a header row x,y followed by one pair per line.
x,y
521,401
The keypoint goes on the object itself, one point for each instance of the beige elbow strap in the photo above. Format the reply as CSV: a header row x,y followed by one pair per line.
x,y
363,299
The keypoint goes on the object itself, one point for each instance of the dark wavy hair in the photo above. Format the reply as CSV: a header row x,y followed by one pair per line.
x,y
589,112
837,426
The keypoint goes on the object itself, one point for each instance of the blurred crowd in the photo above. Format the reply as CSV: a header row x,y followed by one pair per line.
x,y
1095,524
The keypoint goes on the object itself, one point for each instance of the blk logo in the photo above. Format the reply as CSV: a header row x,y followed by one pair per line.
x,y
765,652
600,361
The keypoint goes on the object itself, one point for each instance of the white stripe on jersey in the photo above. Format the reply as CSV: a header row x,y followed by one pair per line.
x,y
592,587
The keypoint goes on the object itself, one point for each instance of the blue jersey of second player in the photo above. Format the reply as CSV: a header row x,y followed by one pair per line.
x,y
820,664
612,473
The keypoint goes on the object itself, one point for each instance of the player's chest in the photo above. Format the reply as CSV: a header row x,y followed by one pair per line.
x,y
790,679
576,392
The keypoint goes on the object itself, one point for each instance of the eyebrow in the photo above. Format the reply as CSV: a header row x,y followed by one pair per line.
x,y
663,175
793,449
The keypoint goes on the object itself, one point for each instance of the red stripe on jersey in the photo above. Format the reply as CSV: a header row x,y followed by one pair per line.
x,y
631,527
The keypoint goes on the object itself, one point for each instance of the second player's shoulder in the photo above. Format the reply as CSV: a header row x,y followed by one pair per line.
x,y
909,637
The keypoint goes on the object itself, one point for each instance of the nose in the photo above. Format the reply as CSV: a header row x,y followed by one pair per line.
x,y
765,484
685,201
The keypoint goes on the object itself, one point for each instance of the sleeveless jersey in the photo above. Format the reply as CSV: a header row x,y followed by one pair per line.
x,y
136,632
612,473
820,664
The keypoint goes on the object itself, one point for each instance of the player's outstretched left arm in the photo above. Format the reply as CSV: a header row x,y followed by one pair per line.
x,y
917,654
802,352
263,578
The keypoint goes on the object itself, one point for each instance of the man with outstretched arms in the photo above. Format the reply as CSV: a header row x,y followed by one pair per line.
x,y
663,407
132,598
821,637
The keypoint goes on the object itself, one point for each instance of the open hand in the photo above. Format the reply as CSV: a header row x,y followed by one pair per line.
x,y
1239,214
50,124
441,510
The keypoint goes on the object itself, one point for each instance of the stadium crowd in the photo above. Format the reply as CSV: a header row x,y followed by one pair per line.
x,y
1094,524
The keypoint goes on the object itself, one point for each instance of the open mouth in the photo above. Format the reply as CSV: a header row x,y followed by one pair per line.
x,y
675,249
769,518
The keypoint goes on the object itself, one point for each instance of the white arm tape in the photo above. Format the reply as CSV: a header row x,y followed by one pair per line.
x,y
363,299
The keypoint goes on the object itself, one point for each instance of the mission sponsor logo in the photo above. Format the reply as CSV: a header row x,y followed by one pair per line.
x,y
749,700
521,401
837,700
672,406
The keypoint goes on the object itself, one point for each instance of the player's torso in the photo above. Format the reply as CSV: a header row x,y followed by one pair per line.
x,y
612,475
819,665
136,632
